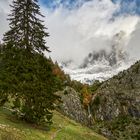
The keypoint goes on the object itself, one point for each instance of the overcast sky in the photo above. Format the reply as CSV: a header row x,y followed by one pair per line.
x,y
78,27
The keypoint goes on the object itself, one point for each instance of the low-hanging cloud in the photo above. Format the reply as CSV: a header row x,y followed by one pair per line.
x,y
134,44
76,32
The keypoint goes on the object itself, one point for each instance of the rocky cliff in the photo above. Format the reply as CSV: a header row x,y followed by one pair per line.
x,y
71,106
116,107
118,96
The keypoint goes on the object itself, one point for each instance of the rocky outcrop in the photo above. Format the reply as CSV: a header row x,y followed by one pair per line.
x,y
118,96
114,108
71,106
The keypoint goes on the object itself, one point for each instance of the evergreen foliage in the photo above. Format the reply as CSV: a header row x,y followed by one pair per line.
x,y
26,74
95,86
30,81
26,29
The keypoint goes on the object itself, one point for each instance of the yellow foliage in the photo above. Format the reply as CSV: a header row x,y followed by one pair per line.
x,y
87,97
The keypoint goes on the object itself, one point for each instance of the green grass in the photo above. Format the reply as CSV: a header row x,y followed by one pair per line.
x,y
62,129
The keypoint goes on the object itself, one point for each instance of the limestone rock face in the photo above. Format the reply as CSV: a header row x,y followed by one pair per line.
x,y
114,108
118,96
71,106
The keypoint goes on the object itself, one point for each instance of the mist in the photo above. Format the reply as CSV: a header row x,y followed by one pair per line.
x,y
74,33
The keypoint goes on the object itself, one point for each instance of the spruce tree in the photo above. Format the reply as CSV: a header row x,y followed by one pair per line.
x,y
26,75
26,29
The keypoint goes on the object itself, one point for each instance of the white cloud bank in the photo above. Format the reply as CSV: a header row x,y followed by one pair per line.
x,y
73,34
91,27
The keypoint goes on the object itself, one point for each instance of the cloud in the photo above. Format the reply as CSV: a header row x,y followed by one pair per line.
x,y
134,43
4,10
76,32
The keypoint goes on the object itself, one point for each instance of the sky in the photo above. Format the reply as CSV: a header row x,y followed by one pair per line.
x,y
78,27
127,6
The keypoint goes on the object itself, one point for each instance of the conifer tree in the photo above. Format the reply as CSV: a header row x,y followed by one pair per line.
x,y
26,29
25,73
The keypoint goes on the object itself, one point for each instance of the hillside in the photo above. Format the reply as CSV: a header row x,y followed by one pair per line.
x,y
114,110
62,129
117,105
119,95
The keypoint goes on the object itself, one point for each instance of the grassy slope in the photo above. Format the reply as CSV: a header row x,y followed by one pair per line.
x,y
62,129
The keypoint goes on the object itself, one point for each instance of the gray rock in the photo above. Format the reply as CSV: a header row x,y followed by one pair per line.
x,y
71,106
119,95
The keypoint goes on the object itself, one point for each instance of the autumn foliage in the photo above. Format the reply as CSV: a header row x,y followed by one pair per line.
x,y
86,96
